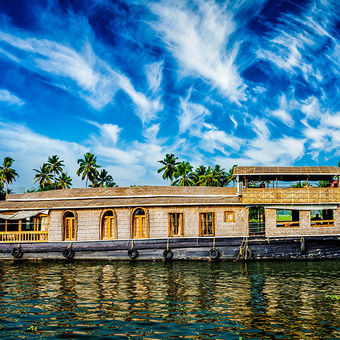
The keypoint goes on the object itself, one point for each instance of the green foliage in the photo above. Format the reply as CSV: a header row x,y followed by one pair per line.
x,y
88,168
56,167
103,179
299,184
7,173
169,166
182,174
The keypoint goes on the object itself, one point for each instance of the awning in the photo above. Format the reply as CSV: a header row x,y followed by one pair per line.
x,y
21,215
302,207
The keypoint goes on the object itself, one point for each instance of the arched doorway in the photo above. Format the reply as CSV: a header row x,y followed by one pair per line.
x,y
69,226
139,223
108,225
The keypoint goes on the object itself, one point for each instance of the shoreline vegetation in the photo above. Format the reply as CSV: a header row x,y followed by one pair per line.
x,y
51,175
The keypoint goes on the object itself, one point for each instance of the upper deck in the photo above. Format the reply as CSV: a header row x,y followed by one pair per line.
x,y
269,192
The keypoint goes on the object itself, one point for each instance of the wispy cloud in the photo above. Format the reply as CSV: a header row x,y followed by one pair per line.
x,y
199,38
82,73
10,98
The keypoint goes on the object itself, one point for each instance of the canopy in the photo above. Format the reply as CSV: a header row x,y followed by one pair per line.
x,y
21,215
287,173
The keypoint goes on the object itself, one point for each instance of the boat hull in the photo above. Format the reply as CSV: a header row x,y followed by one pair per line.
x,y
229,249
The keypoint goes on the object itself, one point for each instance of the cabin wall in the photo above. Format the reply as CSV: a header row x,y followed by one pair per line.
x,y
89,223
304,229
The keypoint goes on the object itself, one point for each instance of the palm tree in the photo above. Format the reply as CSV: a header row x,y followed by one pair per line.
x,y
43,175
210,178
169,166
7,174
103,179
183,175
64,181
229,176
56,166
201,170
88,168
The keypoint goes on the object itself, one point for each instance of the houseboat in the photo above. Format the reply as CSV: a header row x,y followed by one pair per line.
x,y
261,218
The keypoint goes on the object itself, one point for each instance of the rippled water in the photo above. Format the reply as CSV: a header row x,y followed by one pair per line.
x,y
153,300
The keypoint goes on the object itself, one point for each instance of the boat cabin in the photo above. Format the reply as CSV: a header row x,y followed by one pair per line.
x,y
263,204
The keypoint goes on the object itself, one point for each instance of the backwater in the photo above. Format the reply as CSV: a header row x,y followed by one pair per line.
x,y
156,300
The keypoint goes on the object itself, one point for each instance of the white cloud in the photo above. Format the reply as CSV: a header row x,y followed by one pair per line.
x,y
198,38
82,73
191,116
282,112
10,98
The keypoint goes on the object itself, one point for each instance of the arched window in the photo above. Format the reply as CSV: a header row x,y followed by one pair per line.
x,y
69,226
108,225
139,224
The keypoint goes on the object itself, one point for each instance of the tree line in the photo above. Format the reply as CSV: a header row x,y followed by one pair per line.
x,y
183,173
51,175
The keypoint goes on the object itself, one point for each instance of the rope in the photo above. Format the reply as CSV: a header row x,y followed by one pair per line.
x,y
214,243
243,247
131,244
69,246
167,245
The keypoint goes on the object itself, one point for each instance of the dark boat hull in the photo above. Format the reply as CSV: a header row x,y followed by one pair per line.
x,y
231,249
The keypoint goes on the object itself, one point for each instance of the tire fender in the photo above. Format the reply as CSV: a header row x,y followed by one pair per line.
x,y
68,253
133,253
17,252
214,254
168,254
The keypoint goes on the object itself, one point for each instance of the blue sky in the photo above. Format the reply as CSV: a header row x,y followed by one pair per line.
x,y
236,82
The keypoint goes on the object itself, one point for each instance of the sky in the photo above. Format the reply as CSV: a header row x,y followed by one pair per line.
x,y
214,82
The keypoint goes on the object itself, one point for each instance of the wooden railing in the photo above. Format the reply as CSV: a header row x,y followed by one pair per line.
x,y
24,236
287,224
290,195
322,223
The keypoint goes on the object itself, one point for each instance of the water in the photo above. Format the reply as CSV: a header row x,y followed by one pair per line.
x,y
155,300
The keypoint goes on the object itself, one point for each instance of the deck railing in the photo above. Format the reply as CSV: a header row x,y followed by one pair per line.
x,y
322,223
24,236
290,195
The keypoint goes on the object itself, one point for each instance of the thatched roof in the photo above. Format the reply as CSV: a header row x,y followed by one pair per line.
x,y
287,173
120,197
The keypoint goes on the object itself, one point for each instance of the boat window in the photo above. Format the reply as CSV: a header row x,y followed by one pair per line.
x,y
229,216
287,218
322,218
139,224
108,225
69,226
207,224
175,224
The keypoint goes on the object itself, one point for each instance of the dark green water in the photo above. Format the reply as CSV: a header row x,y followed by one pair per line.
x,y
155,300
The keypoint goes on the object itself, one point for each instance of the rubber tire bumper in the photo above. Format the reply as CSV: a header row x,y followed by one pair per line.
x,y
214,254
69,253
133,253
17,252
168,254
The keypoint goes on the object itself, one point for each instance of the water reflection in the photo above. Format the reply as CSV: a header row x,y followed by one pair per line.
x,y
174,300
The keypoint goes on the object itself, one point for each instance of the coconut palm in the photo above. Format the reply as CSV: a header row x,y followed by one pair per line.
x,y
64,181
43,175
104,179
201,170
55,166
7,173
88,168
229,176
210,178
169,166
183,175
